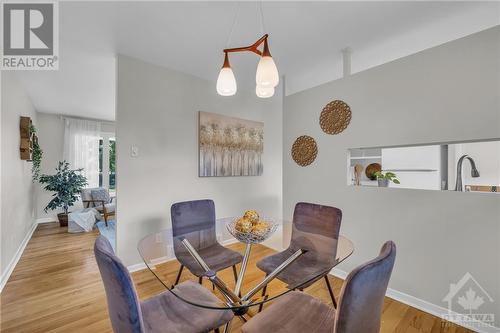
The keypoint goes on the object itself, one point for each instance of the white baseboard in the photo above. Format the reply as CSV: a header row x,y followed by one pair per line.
x,y
12,264
425,306
141,266
45,220
136,267
339,273
229,241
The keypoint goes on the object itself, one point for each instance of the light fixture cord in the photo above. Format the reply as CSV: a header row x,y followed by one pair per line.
x,y
262,28
236,13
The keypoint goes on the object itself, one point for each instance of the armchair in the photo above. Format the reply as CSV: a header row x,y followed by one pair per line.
x,y
99,199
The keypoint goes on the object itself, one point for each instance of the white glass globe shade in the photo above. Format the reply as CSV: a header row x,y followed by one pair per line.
x,y
264,92
267,73
226,83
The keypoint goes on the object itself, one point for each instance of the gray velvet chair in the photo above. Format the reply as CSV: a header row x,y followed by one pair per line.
x,y
316,229
359,310
162,313
195,221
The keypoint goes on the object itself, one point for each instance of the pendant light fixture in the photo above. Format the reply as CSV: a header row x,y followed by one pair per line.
x,y
226,83
264,92
266,77
267,73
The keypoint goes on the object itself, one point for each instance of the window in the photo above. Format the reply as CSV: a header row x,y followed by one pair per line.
x,y
112,164
107,162
100,161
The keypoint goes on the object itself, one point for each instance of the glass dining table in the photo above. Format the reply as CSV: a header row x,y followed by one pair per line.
x,y
157,252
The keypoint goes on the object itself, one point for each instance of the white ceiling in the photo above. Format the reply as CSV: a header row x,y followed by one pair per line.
x,y
305,40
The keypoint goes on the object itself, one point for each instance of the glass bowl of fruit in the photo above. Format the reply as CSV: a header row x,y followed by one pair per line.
x,y
251,228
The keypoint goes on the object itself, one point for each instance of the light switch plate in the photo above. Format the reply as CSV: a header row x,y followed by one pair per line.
x,y
134,151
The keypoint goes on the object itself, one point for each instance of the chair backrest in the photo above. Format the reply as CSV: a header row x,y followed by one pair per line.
x,y
123,303
86,194
100,193
195,221
362,295
316,229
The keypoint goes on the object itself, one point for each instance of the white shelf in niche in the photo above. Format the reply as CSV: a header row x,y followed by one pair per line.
x,y
366,157
368,183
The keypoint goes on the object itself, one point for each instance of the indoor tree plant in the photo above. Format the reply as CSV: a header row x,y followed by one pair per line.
x,y
67,184
384,178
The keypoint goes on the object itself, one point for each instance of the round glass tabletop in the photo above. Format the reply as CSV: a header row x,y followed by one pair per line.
x,y
209,255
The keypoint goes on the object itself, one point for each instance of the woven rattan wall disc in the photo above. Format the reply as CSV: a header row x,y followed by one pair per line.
x,y
335,117
304,150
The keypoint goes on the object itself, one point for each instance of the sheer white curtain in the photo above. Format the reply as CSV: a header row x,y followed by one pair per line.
x,y
81,147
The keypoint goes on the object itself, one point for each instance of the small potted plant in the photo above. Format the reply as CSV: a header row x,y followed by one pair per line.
x,y
67,184
385,178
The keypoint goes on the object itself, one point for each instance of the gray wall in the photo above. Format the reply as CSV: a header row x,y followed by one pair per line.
x,y
157,111
18,203
51,139
446,93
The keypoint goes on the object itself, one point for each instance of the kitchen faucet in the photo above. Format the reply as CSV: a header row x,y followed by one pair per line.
x,y
474,172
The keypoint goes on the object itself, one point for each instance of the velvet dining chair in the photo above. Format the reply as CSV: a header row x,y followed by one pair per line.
x,y
195,221
315,228
359,311
162,313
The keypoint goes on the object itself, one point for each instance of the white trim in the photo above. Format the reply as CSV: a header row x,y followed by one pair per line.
x,y
10,267
161,260
136,267
339,273
141,266
425,306
229,241
45,220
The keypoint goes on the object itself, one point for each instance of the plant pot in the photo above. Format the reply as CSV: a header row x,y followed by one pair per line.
x,y
63,219
383,182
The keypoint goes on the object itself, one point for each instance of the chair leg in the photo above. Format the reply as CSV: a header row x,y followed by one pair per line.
x,y
200,280
330,291
261,305
235,274
178,275
106,220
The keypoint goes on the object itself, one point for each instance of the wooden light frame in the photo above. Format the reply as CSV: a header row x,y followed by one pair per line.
x,y
251,48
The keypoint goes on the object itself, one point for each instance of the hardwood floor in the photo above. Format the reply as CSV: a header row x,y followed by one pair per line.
x,y
56,287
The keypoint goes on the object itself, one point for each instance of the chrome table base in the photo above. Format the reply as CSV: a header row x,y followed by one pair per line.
x,y
240,304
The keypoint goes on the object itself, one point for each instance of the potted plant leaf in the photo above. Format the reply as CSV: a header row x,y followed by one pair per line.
x,y
67,184
385,178
36,155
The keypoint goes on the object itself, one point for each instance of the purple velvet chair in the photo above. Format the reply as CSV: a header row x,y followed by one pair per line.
x,y
162,313
359,310
195,221
315,229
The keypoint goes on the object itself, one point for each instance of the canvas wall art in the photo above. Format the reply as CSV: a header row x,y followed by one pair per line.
x,y
230,146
